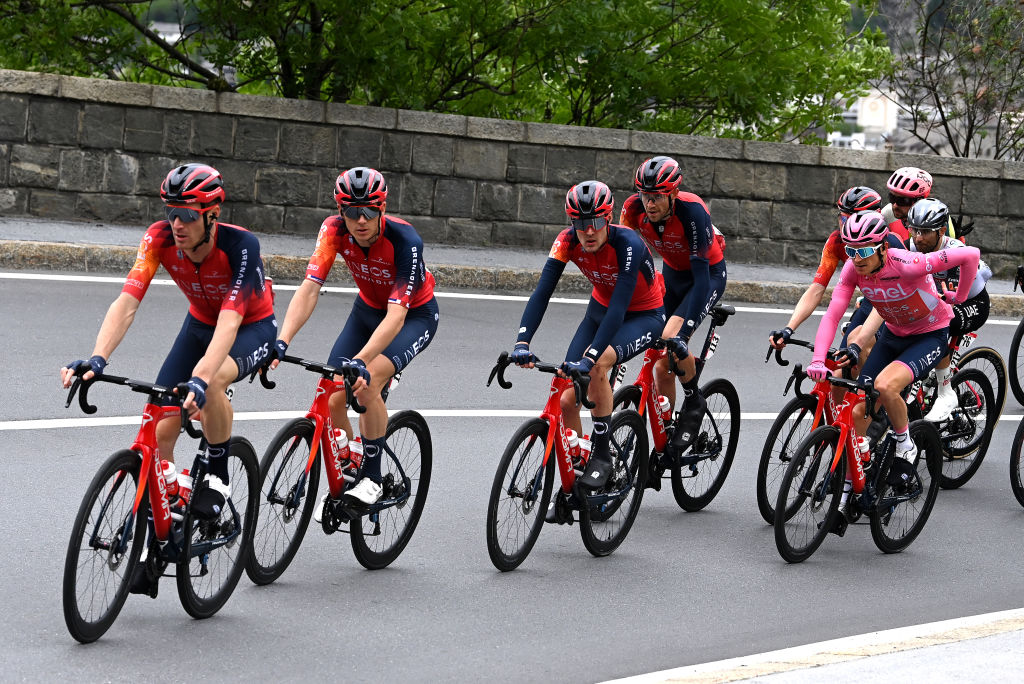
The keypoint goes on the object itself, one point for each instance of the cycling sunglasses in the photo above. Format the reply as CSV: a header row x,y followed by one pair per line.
x,y
584,224
646,197
901,200
355,212
921,231
862,252
186,214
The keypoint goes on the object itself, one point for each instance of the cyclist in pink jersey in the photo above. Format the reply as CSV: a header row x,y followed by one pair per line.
x,y
393,319
900,286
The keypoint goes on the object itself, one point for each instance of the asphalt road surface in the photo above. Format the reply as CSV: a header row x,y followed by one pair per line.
x,y
684,587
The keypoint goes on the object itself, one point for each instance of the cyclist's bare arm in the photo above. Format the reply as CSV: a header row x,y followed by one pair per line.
x,y
115,324
808,302
299,310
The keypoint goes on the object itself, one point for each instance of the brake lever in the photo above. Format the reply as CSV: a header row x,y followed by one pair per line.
x,y
499,371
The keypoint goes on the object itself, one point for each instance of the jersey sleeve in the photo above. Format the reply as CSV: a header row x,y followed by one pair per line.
x,y
408,268
558,257
247,274
147,261
324,253
829,260
841,296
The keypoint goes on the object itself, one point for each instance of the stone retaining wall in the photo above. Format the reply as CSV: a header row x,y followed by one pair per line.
x,y
87,149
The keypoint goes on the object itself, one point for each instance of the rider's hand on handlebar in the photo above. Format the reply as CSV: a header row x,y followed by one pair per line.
x,y
780,338
583,366
95,366
196,394
277,353
522,356
950,297
817,371
848,355
363,380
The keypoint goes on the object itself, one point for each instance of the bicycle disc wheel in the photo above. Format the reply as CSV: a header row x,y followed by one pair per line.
x,y
519,496
216,549
287,497
991,363
696,484
901,512
378,538
604,521
790,428
1016,370
1016,481
97,572
809,494
965,437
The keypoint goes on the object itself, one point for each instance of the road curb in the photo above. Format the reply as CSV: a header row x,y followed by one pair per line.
x,y
58,256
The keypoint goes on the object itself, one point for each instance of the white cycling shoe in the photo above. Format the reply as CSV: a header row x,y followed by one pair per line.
x,y
318,512
366,492
943,407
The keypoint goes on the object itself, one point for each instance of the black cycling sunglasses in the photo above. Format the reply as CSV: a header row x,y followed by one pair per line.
x,y
901,200
582,224
355,212
186,214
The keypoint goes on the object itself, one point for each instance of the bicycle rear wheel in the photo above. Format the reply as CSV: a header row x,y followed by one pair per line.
x,y
990,362
216,550
1016,370
901,512
696,484
965,437
99,561
792,425
287,497
605,522
1016,477
519,496
378,538
809,494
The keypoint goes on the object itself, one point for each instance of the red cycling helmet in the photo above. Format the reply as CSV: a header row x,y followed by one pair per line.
x,y
864,228
589,199
193,183
910,181
859,198
360,186
658,175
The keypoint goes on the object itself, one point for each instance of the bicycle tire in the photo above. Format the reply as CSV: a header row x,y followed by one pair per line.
x,y
1016,369
790,427
626,397
205,582
962,457
812,491
113,488
907,518
283,519
519,496
695,486
379,538
604,526
991,363
1016,482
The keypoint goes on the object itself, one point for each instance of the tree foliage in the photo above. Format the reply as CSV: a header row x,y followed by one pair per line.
x,y
959,76
767,69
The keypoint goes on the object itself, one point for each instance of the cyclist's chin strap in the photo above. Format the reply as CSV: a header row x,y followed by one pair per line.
x,y
208,223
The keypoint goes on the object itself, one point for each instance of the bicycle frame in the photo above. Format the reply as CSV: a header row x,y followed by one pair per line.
x,y
557,439
645,381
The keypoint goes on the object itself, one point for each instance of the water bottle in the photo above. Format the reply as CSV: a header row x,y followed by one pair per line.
x,y
574,445
184,485
864,449
170,479
585,446
665,408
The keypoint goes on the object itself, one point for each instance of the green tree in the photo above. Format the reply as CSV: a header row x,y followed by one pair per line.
x,y
767,69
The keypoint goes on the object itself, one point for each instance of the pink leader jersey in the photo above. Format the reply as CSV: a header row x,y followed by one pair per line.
x,y
903,292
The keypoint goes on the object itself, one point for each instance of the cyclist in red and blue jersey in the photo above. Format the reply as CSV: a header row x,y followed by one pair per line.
x,y
230,326
677,225
394,318
623,318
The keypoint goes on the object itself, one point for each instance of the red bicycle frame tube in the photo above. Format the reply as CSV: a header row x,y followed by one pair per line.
x,y
645,381
151,478
323,436
552,414
844,421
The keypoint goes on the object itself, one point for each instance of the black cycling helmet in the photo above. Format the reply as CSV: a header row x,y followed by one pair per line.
x,y
859,198
928,214
360,186
589,199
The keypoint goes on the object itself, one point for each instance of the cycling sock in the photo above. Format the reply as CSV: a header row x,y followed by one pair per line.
x,y
690,393
599,440
372,450
902,435
217,454
942,376
847,488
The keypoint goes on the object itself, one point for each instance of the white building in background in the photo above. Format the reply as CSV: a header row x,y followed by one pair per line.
x,y
876,116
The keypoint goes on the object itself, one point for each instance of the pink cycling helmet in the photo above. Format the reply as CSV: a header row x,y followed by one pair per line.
x,y
910,181
864,228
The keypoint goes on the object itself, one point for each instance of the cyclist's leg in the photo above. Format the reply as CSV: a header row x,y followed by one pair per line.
x,y
188,347
677,285
967,317
887,348
362,321
585,332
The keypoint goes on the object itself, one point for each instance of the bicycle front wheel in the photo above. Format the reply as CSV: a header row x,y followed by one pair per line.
x,y
901,511
106,543
695,484
287,497
608,513
519,496
792,425
1016,370
216,549
379,537
1016,481
965,437
809,495
989,362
